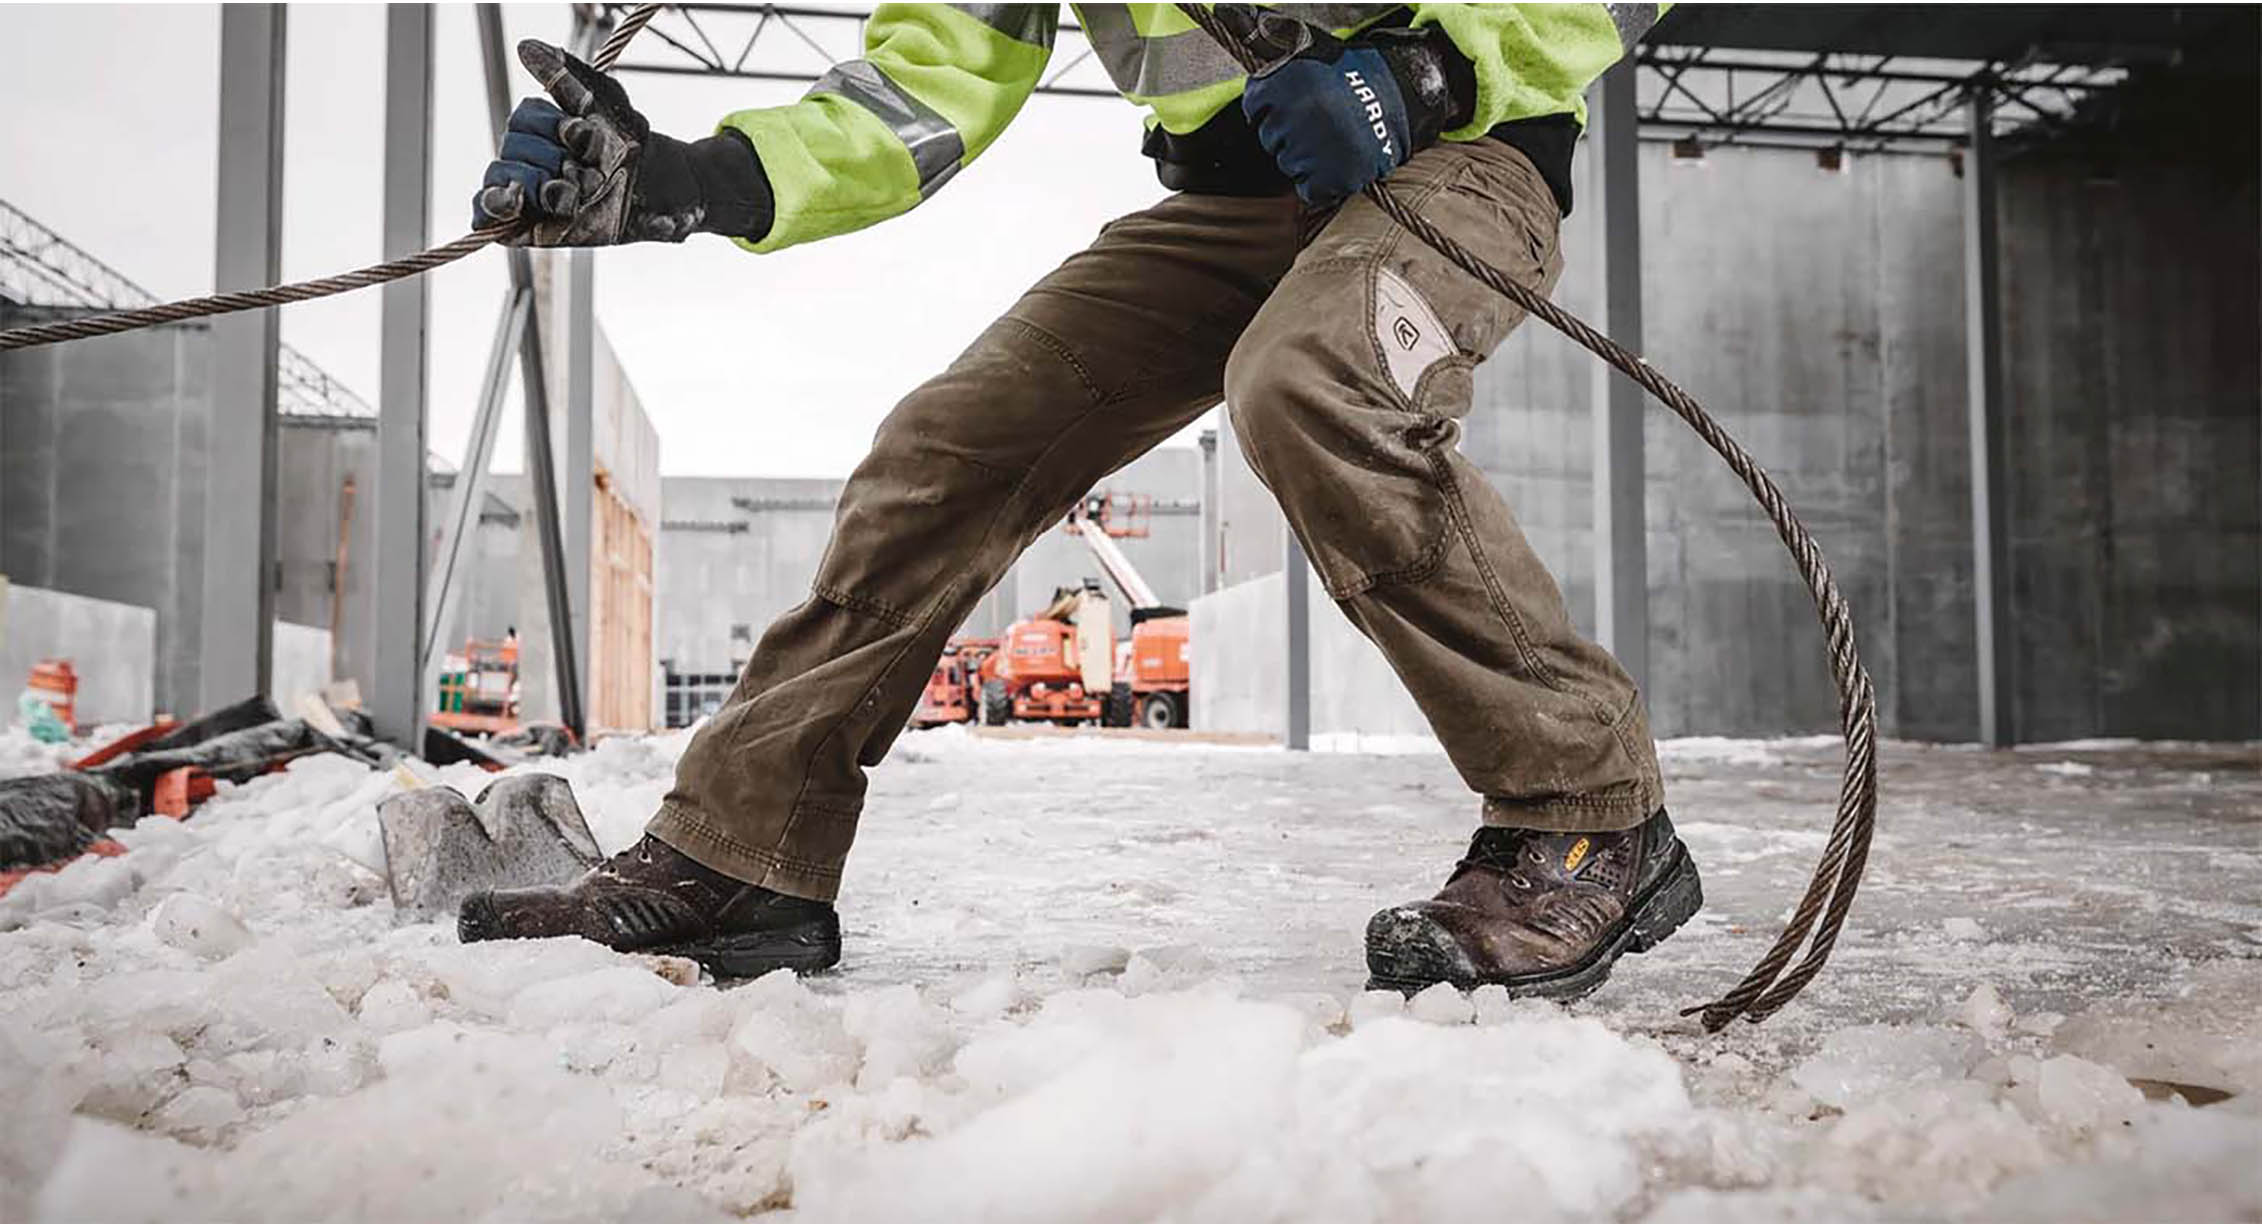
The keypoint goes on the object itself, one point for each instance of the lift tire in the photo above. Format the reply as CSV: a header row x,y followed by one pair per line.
x,y
1119,707
1161,710
997,705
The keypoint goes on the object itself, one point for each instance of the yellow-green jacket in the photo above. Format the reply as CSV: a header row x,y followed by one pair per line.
x,y
939,82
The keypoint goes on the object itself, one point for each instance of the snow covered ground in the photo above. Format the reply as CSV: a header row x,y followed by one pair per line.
x,y
1106,979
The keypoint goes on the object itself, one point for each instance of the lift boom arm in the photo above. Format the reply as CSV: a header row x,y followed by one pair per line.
x,y
1112,560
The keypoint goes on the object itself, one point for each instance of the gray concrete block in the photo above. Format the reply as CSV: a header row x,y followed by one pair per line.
x,y
111,646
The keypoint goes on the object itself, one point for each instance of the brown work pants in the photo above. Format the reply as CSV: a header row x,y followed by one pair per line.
x,y
1345,364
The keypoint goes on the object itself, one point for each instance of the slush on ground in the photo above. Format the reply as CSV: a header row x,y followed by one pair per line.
x,y
1102,979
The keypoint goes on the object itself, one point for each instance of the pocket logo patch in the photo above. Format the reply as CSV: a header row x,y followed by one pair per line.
x,y
1409,334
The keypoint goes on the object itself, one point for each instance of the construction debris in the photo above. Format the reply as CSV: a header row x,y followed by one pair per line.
x,y
163,769
522,831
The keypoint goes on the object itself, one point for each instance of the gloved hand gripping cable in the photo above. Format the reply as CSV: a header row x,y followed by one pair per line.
x,y
297,292
1262,40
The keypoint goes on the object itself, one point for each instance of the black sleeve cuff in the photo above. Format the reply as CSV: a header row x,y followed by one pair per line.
x,y
1460,79
734,186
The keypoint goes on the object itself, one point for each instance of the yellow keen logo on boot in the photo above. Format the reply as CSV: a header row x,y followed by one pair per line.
x,y
1577,854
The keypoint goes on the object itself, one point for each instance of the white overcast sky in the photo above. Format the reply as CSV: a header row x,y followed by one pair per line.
x,y
749,365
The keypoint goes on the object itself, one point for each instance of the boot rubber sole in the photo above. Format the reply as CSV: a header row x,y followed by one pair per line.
x,y
808,946
1408,952
811,946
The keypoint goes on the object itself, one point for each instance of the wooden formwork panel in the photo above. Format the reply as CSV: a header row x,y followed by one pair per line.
x,y
620,623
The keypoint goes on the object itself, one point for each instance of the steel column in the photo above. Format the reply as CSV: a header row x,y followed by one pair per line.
x,y
534,387
1983,407
404,383
236,633
471,480
1297,588
577,483
1621,563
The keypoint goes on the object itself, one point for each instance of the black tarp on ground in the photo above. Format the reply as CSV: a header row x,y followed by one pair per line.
x,y
44,819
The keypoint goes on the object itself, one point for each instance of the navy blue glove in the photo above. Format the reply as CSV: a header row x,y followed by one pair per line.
x,y
587,170
1337,116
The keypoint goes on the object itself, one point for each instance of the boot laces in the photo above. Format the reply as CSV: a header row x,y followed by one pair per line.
x,y
1505,850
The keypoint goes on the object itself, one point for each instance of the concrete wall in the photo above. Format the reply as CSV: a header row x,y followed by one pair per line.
x,y
302,664
1240,668
725,571
101,495
324,576
326,544
1818,315
2132,304
112,647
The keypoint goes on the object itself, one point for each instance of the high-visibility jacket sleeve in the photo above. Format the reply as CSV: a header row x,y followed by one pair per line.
x,y
877,135
1536,59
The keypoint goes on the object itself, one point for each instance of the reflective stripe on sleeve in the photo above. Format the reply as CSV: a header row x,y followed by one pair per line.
x,y
1033,24
1155,66
936,147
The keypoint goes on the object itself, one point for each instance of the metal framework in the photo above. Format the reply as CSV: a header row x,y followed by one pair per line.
x,y
39,268
1838,101
785,42
1692,95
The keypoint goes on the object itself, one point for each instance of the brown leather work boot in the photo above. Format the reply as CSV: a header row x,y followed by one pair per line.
x,y
1542,913
648,897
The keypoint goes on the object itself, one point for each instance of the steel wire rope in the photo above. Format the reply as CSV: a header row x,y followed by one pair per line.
x,y
322,287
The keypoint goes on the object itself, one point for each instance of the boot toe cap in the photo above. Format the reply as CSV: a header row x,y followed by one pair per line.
x,y
1412,946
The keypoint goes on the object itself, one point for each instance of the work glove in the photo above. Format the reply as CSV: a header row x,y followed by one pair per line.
x,y
1337,116
586,170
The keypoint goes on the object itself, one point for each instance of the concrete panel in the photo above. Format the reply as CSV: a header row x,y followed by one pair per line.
x,y
1239,686
302,664
326,540
2132,292
103,478
724,571
111,646
1241,678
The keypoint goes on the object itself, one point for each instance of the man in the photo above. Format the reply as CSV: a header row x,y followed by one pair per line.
x,y
1342,348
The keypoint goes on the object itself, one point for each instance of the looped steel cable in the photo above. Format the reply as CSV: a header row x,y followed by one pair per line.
x,y
1821,911
322,287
